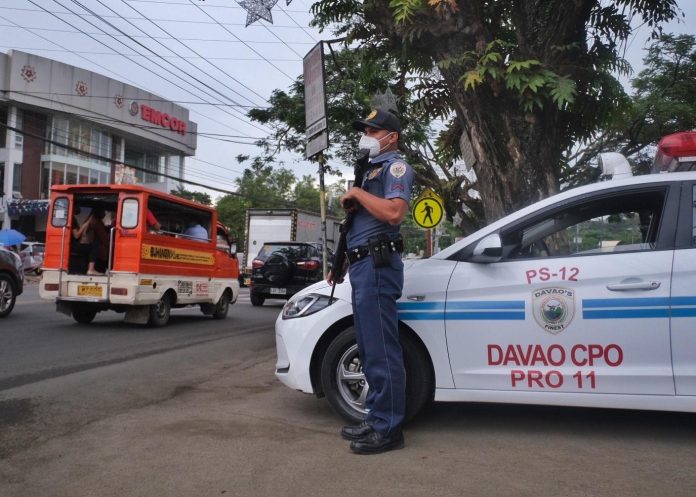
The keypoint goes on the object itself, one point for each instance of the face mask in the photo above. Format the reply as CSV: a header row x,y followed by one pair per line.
x,y
372,144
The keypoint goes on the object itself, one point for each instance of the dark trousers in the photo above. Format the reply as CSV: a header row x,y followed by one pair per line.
x,y
375,292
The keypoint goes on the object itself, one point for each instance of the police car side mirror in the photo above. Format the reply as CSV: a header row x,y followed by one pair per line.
x,y
488,249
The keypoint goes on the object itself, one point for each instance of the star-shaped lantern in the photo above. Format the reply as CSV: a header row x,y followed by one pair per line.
x,y
258,9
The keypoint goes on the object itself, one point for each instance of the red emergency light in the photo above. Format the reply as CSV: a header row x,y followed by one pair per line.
x,y
676,152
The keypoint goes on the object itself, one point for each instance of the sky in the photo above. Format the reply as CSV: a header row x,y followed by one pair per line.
x,y
224,68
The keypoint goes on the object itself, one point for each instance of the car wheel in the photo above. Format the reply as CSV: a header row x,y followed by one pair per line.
x,y
256,299
160,312
222,306
345,386
8,295
277,269
83,315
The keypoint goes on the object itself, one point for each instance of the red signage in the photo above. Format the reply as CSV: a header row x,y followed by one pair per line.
x,y
163,119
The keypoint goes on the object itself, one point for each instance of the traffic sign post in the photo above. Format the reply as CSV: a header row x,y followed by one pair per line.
x,y
316,125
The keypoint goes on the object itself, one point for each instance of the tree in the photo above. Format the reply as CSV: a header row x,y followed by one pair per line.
x,y
354,77
524,79
306,194
263,186
664,102
232,213
200,197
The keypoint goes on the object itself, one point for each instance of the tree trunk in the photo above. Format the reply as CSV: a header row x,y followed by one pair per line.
x,y
518,153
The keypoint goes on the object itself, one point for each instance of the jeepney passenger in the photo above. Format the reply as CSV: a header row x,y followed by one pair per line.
x,y
196,231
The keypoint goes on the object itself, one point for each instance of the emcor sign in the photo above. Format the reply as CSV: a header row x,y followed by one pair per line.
x,y
163,119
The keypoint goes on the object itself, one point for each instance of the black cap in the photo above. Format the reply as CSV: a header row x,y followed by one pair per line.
x,y
379,119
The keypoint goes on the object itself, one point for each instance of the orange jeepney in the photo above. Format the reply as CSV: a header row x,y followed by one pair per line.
x,y
135,250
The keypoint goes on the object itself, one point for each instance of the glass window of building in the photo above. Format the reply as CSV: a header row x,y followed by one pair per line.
x,y
17,177
3,131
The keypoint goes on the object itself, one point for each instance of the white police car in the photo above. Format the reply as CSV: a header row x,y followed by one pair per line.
x,y
587,298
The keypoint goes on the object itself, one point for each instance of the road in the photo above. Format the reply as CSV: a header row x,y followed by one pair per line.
x,y
194,410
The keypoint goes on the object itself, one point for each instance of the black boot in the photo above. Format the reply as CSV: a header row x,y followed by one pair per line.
x,y
376,443
356,432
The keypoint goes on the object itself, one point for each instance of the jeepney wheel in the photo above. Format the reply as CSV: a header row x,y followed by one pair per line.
x,y
83,315
160,312
8,295
222,306
256,299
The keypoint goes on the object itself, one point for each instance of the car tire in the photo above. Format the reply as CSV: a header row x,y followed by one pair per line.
x,y
277,270
222,306
256,299
83,315
8,295
160,312
347,395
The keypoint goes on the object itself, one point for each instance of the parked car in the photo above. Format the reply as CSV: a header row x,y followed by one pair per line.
x,y
32,255
281,269
11,280
586,298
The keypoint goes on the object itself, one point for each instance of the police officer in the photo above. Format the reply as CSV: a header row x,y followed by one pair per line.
x,y
379,206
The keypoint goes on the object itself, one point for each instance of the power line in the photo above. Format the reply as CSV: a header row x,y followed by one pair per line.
x,y
212,40
187,21
77,2
24,92
238,59
63,136
192,50
114,161
264,201
245,44
109,71
285,11
134,61
205,5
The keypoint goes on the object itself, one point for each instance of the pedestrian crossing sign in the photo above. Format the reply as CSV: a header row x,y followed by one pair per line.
x,y
428,209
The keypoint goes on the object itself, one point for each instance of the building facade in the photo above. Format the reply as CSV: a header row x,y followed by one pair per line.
x,y
61,124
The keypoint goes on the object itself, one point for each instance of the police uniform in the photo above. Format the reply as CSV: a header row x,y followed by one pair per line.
x,y
375,291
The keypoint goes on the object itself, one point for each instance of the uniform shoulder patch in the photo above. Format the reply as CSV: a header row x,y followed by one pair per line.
x,y
397,169
372,174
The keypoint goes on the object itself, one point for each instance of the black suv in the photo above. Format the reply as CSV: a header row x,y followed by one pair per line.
x,y
11,280
284,268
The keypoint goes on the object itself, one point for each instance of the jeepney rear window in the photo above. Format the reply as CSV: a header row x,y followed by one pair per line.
x,y
129,213
60,212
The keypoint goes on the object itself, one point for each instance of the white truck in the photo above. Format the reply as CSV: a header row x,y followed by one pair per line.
x,y
274,225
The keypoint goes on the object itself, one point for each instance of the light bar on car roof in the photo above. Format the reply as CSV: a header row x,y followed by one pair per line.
x,y
676,152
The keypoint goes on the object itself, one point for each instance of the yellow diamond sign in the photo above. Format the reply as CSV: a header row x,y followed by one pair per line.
x,y
428,209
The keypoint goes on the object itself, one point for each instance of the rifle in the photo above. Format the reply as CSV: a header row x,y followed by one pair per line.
x,y
339,259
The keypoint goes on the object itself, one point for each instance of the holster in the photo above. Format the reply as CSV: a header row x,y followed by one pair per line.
x,y
381,247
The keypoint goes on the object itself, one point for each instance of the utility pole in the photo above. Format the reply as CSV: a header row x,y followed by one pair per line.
x,y
322,210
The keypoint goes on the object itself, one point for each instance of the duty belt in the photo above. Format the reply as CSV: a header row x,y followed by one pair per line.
x,y
363,251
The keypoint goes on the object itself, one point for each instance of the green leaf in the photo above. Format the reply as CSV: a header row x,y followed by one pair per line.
x,y
404,10
563,91
472,79
519,65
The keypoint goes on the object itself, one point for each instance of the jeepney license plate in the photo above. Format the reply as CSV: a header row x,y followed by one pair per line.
x,y
278,291
89,291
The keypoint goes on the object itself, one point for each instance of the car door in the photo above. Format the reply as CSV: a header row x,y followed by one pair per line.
x,y
578,302
683,299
